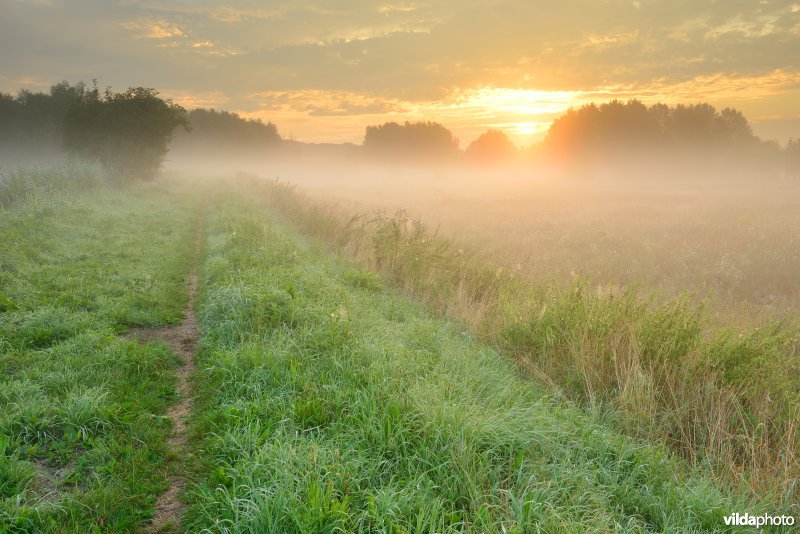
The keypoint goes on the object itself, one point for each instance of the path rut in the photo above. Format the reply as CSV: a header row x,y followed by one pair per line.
x,y
183,339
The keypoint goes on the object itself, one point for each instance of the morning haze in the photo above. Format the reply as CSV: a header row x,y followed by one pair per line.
x,y
323,71
478,266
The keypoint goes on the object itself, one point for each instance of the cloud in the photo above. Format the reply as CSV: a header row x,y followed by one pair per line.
x,y
322,103
147,28
43,3
30,81
746,28
325,68
717,87
190,99
388,9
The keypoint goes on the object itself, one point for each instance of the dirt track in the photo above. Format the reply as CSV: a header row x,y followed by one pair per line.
x,y
183,339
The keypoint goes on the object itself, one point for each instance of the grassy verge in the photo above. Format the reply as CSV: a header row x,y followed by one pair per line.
x,y
81,437
727,399
326,403
28,182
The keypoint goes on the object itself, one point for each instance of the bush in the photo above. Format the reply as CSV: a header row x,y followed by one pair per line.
x,y
129,133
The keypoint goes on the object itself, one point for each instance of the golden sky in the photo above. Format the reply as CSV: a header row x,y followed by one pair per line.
x,y
322,71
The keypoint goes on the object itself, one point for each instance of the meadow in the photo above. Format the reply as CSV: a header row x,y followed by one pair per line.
x,y
327,403
731,242
357,375
81,406
715,383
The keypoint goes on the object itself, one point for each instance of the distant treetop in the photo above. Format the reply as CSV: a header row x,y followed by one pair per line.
x,y
420,139
209,125
491,146
617,127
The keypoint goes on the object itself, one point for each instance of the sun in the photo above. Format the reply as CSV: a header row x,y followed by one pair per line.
x,y
526,128
524,114
519,102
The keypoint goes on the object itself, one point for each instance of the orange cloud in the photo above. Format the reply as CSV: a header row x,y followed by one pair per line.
x,y
191,99
387,9
153,29
524,114
714,87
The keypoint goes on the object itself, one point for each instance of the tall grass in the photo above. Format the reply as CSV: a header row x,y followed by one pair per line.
x,y
82,437
724,398
326,403
71,175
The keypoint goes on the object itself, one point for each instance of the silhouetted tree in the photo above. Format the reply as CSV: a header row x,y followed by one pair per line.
x,y
33,121
491,146
426,140
229,130
129,132
624,128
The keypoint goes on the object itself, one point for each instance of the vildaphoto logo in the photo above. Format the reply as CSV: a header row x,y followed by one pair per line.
x,y
759,521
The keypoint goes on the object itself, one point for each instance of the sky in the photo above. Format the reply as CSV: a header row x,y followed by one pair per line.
x,y
323,71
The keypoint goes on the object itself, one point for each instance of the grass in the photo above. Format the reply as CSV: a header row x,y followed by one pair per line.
x,y
327,403
730,241
26,182
82,440
724,398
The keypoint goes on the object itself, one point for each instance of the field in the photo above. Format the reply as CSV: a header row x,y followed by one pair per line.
x,y
82,435
712,376
324,398
729,241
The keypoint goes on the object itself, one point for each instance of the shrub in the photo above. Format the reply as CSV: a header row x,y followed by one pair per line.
x,y
129,133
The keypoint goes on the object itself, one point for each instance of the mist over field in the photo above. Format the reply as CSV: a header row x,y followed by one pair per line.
x,y
399,267
727,235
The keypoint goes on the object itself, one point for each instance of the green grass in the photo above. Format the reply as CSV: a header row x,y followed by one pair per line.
x,y
328,404
81,433
325,402
724,398
30,182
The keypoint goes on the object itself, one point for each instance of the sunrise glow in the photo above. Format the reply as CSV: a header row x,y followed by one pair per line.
x,y
323,73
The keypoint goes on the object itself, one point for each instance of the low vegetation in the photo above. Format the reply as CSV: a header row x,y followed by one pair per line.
x,y
327,403
726,398
324,401
29,182
81,429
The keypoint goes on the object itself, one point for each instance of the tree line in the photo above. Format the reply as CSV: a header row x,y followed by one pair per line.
x,y
127,132
223,130
130,132
620,131
696,133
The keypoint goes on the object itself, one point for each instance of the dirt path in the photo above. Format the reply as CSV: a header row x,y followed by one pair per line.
x,y
183,339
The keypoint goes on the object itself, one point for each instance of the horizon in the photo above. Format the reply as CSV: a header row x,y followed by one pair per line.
x,y
323,74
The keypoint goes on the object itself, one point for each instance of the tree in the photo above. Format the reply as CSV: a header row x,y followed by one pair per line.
x,y
426,140
129,132
226,127
32,122
491,146
628,128
224,132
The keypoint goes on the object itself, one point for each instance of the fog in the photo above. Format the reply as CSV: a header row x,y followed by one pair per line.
x,y
727,235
